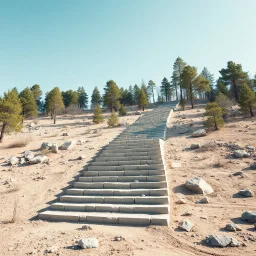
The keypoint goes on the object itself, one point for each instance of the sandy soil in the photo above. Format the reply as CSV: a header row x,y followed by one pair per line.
x,y
34,187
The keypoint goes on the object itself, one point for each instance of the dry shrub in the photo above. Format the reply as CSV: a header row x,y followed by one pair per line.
x,y
21,141
14,214
219,163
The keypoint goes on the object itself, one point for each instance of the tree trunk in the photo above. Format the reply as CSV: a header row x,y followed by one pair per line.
x,y
54,117
176,89
251,110
153,94
143,108
2,132
215,124
191,96
235,89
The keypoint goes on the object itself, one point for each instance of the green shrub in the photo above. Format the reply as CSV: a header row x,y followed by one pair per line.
x,y
97,117
122,110
214,115
113,120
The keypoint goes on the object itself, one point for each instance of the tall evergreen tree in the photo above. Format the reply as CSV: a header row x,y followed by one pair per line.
x,y
54,103
70,97
136,93
96,97
37,92
10,110
210,77
145,88
235,76
151,88
166,89
247,101
178,67
29,107
193,83
112,95
82,98
175,84
143,100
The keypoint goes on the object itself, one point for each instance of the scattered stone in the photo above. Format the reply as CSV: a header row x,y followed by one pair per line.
x,y
88,243
250,148
68,145
249,216
137,113
86,227
237,173
80,142
186,225
204,217
65,134
241,153
246,193
81,157
232,227
39,159
221,241
253,166
46,146
195,146
204,200
199,185
28,155
32,125
119,238
181,201
187,214
54,148
22,160
199,133
53,249
13,160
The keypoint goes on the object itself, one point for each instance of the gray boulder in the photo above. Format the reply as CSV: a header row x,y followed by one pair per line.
x,y
241,153
195,146
54,148
186,225
246,193
249,216
39,159
232,227
13,160
88,243
28,155
68,145
199,133
221,241
199,185
46,146
253,166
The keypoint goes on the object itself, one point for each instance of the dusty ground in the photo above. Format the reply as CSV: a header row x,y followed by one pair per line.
x,y
35,186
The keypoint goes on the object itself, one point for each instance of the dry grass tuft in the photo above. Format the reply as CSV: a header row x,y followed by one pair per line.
x,y
14,214
21,142
219,163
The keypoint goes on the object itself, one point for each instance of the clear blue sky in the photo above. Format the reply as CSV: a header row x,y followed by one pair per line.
x,y
75,43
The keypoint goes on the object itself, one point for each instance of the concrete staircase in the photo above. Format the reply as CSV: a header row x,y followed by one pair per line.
x,y
126,183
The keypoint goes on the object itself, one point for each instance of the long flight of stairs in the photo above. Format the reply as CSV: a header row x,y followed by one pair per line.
x,y
126,183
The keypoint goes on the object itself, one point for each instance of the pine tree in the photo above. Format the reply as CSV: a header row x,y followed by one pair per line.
x,y
113,119
122,110
112,95
29,106
247,101
143,101
178,67
166,89
82,98
136,93
151,88
145,88
210,77
54,102
10,110
214,116
96,97
37,92
70,98
224,102
97,117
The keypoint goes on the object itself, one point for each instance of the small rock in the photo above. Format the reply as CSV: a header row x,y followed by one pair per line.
x,y
221,241
39,159
54,148
181,201
195,146
186,225
86,227
204,200
119,238
199,185
237,173
199,133
187,214
81,157
88,243
80,142
241,153
137,113
28,155
53,249
65,134
232,227
246,193
250,148
253,166
46,146
13,160
68,145
249,216
32,125
22,160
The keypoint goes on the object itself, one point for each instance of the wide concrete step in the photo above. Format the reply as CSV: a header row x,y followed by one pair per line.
x,y
115,199
120,185
125,167
117,192
129,162
125,173
138,150
133,140
135,147
154,154
153,178
124,208
106,218
149,143
113,157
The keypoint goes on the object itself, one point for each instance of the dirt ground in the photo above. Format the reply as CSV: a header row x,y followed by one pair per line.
x,y
34,187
